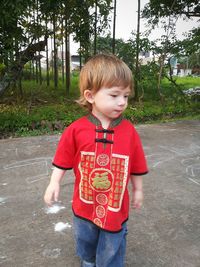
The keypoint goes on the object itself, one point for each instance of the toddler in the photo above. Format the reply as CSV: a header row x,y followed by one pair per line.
x,y
105,152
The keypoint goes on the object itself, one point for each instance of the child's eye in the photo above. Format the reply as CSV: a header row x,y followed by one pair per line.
x,y
113,95
126,96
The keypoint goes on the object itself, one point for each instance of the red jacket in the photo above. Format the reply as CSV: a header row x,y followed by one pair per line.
x,y
103,161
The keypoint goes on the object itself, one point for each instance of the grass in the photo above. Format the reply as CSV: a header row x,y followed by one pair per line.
x,y
188,82
45,110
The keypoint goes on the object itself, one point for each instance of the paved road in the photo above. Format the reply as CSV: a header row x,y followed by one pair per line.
x,y
166,232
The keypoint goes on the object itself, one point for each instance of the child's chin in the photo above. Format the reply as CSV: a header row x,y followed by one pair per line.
x,y
116,116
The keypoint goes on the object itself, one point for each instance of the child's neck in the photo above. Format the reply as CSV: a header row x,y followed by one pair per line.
x,y
105,125
105,122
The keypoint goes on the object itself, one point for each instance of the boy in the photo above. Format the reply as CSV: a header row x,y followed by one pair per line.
x,y
105,152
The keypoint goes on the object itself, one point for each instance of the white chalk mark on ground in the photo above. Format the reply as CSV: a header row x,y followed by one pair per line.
x,y
182,151
25,163
2,258
52,253
54,209
192,168
155,160
193,181
2,200
60,226
167,130
35,169
31,180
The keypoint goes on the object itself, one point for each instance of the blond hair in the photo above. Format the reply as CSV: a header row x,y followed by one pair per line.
x,y
103,71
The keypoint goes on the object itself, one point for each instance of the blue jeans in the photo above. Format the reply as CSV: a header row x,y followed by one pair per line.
x,y
98,248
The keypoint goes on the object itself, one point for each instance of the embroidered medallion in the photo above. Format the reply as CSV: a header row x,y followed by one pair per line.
x,y
100,211
102,160
98,222
101,179
102,199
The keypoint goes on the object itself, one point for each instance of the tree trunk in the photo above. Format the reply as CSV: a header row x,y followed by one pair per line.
x,y
114,28
39,56
95,29
161,65
47,58
62,53
55,53
33,68
136,78
87,34
40,68
67,55
80,55
36,71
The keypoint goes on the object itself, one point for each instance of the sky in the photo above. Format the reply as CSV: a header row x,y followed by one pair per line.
x,y
126,22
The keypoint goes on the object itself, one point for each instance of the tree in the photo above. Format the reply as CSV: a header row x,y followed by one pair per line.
x,y
11,29
155,10
190,45
14,71
168,46
90,19
25,23
19,39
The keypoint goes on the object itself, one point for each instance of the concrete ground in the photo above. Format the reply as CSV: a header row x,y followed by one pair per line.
x,y
166,232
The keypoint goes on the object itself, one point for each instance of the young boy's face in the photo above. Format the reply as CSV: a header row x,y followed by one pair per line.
x,y
109,103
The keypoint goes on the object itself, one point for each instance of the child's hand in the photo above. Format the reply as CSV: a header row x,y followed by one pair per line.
x,y
137,199
52,193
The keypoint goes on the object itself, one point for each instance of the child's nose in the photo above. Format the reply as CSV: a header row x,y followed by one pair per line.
x,y
122,101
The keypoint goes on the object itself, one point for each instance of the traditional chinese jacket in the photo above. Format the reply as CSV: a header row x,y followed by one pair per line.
x,y
102,160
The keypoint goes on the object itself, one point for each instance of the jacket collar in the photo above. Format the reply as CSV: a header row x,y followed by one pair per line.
x,y
97,122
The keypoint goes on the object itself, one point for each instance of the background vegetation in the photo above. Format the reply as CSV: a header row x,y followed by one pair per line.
x,y
44,110
37,98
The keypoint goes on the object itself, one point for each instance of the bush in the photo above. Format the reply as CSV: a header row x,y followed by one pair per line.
x,y
46,110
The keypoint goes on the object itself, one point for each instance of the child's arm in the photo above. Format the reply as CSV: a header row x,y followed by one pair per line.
x,y
137,190
53,189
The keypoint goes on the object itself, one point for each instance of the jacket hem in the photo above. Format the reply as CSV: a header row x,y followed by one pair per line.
x,y
112,232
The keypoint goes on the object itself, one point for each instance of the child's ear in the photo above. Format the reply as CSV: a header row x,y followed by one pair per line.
x,y
89,96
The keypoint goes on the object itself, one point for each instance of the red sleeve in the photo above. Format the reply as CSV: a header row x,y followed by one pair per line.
x,y
64,156
138,162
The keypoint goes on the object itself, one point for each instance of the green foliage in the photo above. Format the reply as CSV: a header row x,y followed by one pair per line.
x,y
2,70
45,110
187,82
19,120
154,10
125,50
11,25
153,111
